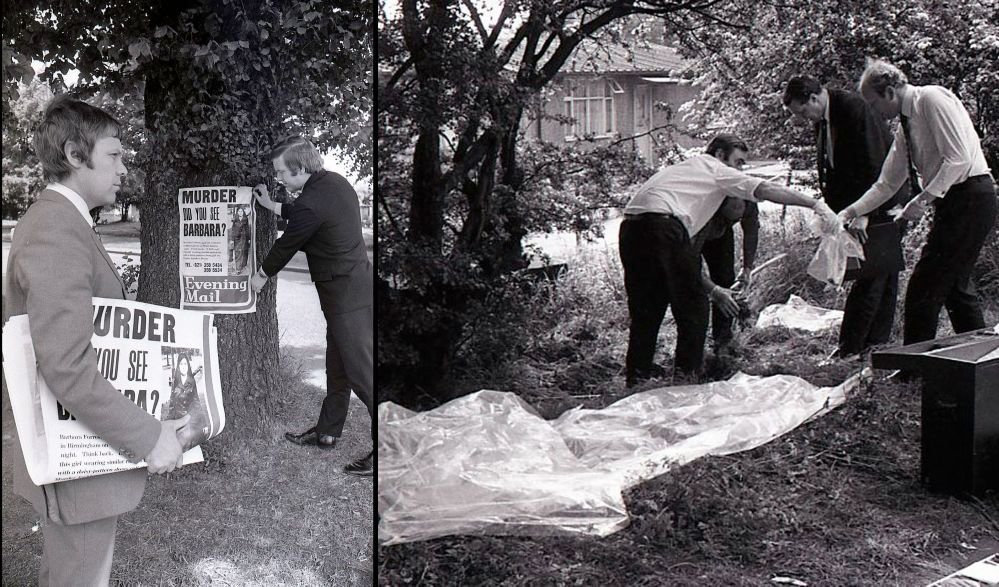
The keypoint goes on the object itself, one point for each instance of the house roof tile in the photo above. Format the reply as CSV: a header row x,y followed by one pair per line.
x,y
645,58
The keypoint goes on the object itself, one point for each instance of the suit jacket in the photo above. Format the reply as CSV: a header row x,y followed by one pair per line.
x,y
56,265
860,140
325,222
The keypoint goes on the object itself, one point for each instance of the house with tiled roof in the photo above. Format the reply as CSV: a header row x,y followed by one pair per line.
x,y
609,92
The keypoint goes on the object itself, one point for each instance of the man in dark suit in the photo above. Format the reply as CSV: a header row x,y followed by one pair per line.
x,y
57,265
325,222
852,142
716,242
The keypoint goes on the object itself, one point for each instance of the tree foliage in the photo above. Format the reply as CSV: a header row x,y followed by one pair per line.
x,y
952,44
457,192
22,172
218,81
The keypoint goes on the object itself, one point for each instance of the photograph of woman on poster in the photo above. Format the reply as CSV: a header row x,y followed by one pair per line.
x,y
239,239
185,399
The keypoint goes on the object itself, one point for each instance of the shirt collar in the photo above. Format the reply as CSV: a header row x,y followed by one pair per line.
x,y
909,101
74,198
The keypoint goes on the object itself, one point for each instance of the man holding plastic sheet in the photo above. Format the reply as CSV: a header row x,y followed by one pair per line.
x,y
852,142
57,264
936,138
662,266
325,222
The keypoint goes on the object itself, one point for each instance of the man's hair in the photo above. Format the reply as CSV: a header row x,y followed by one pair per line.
x,y
298,154
726,143
800,88
67,119
879,75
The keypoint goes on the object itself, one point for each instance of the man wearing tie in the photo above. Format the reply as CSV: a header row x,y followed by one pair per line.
x,y
936,138
852,142
325,222
56,266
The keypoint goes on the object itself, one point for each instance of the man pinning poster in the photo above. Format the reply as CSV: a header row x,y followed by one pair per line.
x,y
217,244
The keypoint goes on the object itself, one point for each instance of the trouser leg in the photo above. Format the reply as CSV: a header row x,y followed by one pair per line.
x,y
647,299
690,308
333,413
962,223
884,317
77,555
354,332
868,313
719,256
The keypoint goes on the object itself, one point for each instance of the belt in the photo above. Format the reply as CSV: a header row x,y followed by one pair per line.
x,y
648,215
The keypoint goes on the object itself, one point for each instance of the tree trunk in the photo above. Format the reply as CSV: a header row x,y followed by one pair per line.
x,y
248,343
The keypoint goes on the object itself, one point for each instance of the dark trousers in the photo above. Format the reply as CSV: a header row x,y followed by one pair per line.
x,y
662,269
349,362
963,221
719,255
869,313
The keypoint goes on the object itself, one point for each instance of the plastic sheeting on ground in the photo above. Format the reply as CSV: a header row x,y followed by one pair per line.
x,y
799,314
486,463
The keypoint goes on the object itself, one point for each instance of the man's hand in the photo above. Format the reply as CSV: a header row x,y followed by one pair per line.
x,y
744,279
913,211
846,216
262,197
258,281
830,221
167,455
725,301
858,228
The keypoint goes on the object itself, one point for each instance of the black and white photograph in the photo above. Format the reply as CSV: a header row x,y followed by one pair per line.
x,y
501,292
699,293
138,137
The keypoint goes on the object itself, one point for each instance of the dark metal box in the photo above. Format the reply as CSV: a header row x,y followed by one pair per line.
x,y
960,408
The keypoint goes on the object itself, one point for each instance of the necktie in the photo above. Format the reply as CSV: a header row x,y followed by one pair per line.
x,y
822,156
913,177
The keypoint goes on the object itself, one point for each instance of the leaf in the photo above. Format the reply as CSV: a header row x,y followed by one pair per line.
x,y
139,49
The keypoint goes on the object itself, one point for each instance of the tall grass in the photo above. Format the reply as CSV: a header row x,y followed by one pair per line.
x,y
569,335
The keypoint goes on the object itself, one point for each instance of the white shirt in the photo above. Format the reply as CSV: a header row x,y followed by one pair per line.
x,y
74,198
692,190
945,147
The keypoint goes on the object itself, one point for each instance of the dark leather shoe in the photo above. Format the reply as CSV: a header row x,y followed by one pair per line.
x,y
363,467
312,438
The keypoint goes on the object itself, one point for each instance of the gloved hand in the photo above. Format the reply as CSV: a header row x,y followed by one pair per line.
x,y
258,280
743,280
830,221
858,228
913,211
725,300
264,199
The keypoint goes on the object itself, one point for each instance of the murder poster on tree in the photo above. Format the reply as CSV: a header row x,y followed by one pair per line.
x,y
217,249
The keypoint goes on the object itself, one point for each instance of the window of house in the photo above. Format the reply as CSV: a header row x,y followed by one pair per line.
x,y
592,106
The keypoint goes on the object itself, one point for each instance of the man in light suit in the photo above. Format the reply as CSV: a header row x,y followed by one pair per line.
x,y
56,265
325,222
